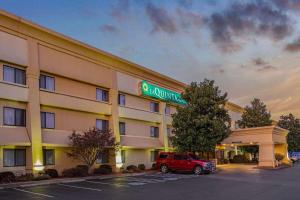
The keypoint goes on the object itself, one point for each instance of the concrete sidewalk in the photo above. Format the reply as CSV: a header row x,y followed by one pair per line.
x,y
68,180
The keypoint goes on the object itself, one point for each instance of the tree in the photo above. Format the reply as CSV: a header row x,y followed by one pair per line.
x,y
88,146
291,123
255,115
203,122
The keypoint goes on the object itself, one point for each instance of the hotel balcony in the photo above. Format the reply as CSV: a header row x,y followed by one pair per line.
x,y
137,114
16,136
74,103
14,92
140,142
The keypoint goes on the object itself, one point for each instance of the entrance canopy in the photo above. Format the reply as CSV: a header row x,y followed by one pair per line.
x,y
270,139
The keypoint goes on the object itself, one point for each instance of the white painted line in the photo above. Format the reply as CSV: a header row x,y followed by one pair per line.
x,y
113,184
39,194
146,180
85,188
1,188
171,179
73,181
136,183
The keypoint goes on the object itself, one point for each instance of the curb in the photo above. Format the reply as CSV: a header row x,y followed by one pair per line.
x,y
67,180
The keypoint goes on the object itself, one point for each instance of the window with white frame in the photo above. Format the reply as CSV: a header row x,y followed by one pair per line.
x,y
154,131
14,116
14,75
102,95
49,156
14,157
154,155
123,156
47,120
47,82
121,99
103,157
102,124
122,128
154,107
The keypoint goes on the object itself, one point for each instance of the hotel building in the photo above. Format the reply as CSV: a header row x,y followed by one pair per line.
x,y
52,85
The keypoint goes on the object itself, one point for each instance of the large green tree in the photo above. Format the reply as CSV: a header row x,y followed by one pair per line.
x,y
291,123
255,115
203,122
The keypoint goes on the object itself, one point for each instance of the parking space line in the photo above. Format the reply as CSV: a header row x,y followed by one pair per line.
x,y
145,180
84,188
39,194
113,184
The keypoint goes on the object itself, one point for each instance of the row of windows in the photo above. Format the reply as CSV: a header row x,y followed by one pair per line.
x,y
15,75
154,131
17,157
153,155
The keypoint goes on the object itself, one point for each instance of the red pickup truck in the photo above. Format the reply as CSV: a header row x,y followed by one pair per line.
x,y
169,161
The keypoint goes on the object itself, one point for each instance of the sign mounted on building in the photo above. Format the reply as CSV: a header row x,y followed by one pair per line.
x,y
161,93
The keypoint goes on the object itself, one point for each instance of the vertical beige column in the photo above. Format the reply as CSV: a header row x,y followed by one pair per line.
x,y
114,118
266,155
33,108
163,135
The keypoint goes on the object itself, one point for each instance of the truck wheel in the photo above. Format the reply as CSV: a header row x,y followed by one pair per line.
x,y
198,170
164,169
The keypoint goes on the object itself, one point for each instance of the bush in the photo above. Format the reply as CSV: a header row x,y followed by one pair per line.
x,y
7,177
141,167
103,169
84,168
240,159
52,173
153,166
41,177
25,177
133,168
78,171
279,156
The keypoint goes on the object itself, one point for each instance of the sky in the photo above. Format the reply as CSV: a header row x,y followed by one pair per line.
x,y
251,48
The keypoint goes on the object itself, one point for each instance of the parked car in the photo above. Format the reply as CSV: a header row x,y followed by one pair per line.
x,y
169,161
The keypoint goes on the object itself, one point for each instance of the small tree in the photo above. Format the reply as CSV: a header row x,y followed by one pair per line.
x,y
203,122
292,124
86,147
255,115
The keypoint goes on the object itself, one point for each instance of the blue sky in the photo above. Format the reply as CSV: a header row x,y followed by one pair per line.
x,y
251,48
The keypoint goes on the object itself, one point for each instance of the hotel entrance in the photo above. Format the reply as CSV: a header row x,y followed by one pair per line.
x,y
264,146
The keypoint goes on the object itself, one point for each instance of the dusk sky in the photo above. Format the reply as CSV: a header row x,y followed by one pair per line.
x,y
250,48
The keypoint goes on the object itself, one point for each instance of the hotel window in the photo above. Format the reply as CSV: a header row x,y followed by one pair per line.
x,y
103,157
14,116
154,131
14,75
14,157
154,155
47,120
123,154
168,110
101,95
154,107
47,82
121,99
102,124
122,128
49,156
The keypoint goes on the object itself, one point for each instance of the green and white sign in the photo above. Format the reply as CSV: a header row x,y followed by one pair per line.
x,y
161,93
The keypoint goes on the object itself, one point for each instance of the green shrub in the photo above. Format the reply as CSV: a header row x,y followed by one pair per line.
x,y
141,167
133,168
240,159
25,177
84,169
7,177
78,171
103,169
52,173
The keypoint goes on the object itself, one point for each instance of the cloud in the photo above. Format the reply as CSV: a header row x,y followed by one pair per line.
x,y
160,19
243,20
186,3
120,10
267,68
293,46
187,19
287,4
109,28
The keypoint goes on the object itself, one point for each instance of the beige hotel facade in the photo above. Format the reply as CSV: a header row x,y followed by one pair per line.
x,y
51,85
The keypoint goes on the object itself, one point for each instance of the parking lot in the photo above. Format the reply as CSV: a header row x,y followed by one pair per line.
x,y
233,182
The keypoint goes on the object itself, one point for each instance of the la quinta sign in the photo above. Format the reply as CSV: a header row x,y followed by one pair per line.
x,y
161,93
